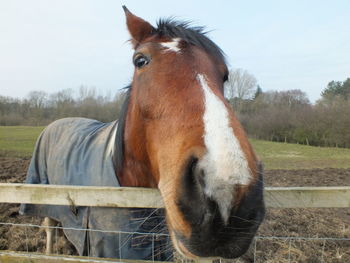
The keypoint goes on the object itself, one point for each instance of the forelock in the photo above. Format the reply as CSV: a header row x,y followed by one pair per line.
x,y
194,35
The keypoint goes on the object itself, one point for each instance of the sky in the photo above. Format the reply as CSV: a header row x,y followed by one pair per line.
x,y
56,45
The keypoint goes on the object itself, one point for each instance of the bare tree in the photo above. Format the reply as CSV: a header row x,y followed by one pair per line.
x,y
63,103
241,84
37,99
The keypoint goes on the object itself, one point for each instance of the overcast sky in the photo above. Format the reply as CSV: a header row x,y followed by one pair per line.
x,y
55,45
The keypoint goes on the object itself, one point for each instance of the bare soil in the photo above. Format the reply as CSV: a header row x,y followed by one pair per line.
x,y
307,223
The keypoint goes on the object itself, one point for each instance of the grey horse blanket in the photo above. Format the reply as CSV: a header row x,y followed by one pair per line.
x,y
79,151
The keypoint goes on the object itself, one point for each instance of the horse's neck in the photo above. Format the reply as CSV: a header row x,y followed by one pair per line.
x,y
135,174
136,170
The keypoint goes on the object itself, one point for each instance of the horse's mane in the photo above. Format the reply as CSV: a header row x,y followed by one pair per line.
x,y
194,35
119,140
173,29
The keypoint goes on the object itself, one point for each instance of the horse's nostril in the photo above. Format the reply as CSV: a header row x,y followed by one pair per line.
x,y
190,171
194,175
193,164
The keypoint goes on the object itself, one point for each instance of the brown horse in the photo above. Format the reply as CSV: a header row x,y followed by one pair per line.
x,y
181,135
177,133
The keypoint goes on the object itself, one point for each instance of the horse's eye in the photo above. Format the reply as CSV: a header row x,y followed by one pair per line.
x,y
225,78
140,61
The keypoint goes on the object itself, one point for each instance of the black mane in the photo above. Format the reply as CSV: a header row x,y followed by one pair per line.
x,y
119,140
193,35
173,29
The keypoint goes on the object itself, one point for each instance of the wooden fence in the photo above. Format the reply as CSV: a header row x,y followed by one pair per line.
x,y
276,197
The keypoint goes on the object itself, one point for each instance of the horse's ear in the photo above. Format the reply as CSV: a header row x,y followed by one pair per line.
x,y
139,29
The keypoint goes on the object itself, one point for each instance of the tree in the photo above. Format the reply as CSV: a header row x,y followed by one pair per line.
x,y
239,88
37,99
337,89
258,92
241,84
63,103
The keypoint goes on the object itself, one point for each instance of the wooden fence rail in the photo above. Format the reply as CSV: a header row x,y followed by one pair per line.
x,y
26,257
275,197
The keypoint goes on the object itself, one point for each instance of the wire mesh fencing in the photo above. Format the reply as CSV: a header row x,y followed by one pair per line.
x,y
32,238
263,249
301,249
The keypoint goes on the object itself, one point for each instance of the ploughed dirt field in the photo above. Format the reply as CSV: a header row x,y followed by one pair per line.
x,y
313,224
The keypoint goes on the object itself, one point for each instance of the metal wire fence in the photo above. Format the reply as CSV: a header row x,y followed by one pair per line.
x,y
263,248
124,238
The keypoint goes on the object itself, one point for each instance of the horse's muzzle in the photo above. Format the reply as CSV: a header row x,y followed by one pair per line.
x,y
210,235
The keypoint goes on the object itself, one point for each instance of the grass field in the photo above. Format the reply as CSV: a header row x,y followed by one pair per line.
x,y
294,156
19,141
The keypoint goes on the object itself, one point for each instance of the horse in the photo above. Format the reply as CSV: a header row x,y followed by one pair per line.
x,y
176,133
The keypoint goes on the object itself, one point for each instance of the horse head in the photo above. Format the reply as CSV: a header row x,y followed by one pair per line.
x,y
181,135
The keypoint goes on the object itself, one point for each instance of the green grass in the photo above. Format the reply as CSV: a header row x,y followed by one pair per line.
x,y
19,141
294,156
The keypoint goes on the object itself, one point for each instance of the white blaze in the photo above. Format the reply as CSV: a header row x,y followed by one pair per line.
x,y
225,164
172,45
